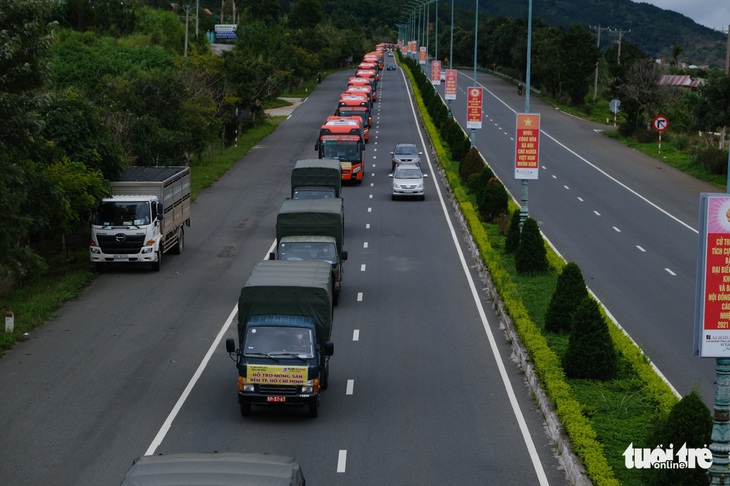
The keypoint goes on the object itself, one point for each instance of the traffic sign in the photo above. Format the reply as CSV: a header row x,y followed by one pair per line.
x,y
660,123
614,106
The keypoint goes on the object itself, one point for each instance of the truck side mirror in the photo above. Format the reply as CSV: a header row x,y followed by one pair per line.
x,y
230,345
272,256
344,255
329,348
316,146
160,211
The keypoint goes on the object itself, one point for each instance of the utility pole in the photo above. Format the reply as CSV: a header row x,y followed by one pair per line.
x,y
727,52
620,34
598,30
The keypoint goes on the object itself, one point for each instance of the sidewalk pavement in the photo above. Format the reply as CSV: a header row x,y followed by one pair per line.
x,y
285,110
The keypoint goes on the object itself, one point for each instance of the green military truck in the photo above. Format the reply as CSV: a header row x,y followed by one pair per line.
x,y
284,326
312,229
316,178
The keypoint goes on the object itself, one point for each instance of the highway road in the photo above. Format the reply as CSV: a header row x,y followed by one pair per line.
x,y
629,221
422,387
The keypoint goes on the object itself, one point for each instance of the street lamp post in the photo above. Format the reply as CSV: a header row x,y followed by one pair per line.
x,y
476,33
524,213
451,52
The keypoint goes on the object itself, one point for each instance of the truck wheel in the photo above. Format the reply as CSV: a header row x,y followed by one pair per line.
x,y
245,409
336,298
314,408
156,265
99,267
178,248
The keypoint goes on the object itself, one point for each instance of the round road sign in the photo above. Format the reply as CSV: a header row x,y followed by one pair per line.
x,y
660,123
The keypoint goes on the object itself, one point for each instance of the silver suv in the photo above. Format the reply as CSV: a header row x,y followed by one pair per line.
x,y
408,181
405,153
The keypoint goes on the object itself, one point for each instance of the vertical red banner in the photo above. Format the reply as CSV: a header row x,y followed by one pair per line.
x,y
436,72
450,88
712,329
527,146
474,107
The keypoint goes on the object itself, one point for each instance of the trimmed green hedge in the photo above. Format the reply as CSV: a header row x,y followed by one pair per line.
x,y
547,363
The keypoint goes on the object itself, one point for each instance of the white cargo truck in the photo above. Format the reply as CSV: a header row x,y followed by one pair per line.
x,y
144,217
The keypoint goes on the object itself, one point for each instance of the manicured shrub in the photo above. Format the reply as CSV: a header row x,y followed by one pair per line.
x,y
590,353
569,292
492,200
512,242
472,164
689,423
476,182
531,255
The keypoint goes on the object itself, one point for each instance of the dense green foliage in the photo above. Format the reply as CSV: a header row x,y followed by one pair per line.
x,y
569,293
88,89
492,201
689,423
531,255
472,165
591,353
512,242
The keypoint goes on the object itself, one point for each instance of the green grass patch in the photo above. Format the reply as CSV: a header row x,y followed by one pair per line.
x,y
36,302
205,172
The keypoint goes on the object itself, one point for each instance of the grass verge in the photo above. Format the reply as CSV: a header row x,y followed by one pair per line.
x,y
36,302
600,418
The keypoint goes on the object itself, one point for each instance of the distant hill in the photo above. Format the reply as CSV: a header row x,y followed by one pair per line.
x,y
651,29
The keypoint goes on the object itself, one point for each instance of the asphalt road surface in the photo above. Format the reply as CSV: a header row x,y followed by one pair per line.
x,y
422,387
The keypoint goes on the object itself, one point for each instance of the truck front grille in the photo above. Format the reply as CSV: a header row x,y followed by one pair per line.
x,y
278,389
120,244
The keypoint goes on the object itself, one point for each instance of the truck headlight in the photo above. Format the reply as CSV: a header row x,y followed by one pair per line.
x,y
95,250
248,388
311,386
147,249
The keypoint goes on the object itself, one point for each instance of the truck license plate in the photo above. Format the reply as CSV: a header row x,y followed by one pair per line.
x,y
120,257
276,399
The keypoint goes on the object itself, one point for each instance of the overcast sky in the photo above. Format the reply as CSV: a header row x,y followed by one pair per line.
x,y
710,13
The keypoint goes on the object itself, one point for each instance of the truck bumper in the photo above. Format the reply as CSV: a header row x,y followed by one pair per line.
x,y
151,256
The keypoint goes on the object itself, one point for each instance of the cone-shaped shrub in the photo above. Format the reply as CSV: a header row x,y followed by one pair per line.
x,y
531,255
590,353
569,292
492,200
690,423
472,164
512,242
478,181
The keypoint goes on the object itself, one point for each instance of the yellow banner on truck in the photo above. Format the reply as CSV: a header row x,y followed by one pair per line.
x,y
277,375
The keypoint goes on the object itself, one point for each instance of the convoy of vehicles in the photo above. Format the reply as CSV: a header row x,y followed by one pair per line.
x,y
285,314
143,218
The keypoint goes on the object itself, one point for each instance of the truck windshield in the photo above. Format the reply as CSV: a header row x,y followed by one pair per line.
x,y
341,151
298,251
275,340
313,193
122,214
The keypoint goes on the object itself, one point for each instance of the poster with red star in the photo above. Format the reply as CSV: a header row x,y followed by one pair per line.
x,y
527,146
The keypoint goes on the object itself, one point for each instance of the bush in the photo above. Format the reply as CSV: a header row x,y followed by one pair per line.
x,y
713,159
590,353
472,164
690,423
476,182
569,293
512,242
492,200
531,255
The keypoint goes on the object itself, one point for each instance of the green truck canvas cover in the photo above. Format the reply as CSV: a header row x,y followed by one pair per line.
x,y
312,217
278,287
317,172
